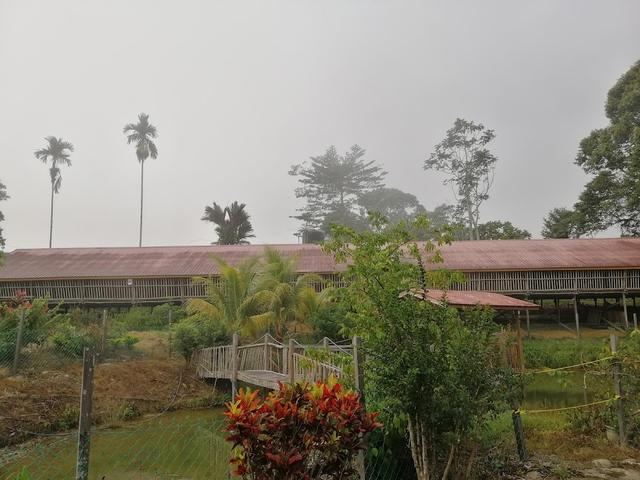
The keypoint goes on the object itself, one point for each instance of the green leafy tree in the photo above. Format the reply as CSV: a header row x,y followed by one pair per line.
x,y
393,203
438,369
464,156
560,223
142,134
233,224
58,153
611,155
497,230
3,196
331,185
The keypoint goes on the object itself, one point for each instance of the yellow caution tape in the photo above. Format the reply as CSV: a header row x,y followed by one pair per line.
x,y
522,411
569,367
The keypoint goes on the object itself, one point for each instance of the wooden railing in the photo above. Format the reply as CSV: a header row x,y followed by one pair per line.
x,y
269,355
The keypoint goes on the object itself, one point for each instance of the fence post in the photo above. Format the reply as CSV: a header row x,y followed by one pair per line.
x,y
234,366
290,362
519,432
358,371
169,318
617,387
266,351
19,335
84,422
103,340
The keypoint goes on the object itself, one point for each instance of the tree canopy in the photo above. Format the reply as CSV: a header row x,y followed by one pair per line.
x,y
611,155
498,230
393,203
560,223
464,156
233,224
331,184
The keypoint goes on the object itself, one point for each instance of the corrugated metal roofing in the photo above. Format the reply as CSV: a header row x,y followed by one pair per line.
x,y
457,298
486,255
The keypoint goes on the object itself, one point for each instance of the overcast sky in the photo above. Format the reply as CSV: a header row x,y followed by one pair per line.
x,y
241,90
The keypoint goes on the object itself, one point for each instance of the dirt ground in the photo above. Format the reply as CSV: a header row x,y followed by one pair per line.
x,y
47,400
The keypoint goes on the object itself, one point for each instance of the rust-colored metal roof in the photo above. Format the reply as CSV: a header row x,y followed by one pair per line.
x,y
460,299
484,255
132,262
549,254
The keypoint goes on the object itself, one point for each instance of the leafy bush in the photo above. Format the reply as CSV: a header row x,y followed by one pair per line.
x,y
299,431
560,352
329,321
70,339
148,318
38,320
197,331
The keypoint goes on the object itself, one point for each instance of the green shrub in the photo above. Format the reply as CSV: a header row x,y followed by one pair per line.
x,y
70,339
150,318
124,341
561,352
196,331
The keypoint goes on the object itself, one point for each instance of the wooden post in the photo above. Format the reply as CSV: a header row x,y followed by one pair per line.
x,y
528,324
19,335
520,345
358,370
290,362
519,432
624,309
617,387
575,313
635,321
84,421
234,366
103,339
325,343
266,351
169,319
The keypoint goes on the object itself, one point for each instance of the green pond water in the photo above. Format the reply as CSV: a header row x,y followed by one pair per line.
x,y
178,445
565,389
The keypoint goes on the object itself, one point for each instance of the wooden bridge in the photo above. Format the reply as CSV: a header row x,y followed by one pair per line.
x,y
267,362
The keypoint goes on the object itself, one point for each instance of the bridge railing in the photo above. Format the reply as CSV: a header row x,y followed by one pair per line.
x,y
311,370
214,361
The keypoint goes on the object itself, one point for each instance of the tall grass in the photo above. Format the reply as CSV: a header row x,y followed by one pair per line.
x,y
560,352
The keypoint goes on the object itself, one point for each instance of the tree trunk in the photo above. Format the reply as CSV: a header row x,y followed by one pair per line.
x,y
419,447
51,216
470,214
141,199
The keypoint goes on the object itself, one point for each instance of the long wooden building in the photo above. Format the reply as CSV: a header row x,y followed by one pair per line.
x,y
532,269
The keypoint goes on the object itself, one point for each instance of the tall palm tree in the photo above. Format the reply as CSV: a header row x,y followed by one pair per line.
x,y
142,134
58,152
233,224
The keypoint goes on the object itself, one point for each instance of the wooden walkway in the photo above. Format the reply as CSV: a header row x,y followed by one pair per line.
x,y
267,362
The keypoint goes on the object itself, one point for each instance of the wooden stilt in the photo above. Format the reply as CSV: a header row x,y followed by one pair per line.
x,y
575,312
624,309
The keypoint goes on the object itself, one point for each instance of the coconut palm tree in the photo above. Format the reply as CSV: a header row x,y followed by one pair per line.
x,y
142,134
57,152
231,298
232,223
289,298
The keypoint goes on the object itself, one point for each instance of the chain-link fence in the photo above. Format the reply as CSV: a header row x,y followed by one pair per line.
x,y
152,418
